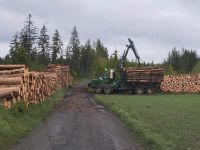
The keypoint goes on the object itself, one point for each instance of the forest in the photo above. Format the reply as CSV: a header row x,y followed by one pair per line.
x,y
36,48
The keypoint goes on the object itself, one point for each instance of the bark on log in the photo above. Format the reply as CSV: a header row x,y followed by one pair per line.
x,y
11,67
22,75
9,92
16,82
9,72
145,74
8,86
11,81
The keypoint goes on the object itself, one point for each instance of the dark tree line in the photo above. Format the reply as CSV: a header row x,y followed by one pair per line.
x,y
83,58
37,49
182,61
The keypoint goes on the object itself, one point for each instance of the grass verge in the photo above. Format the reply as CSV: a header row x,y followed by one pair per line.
x,y
16,122
162,122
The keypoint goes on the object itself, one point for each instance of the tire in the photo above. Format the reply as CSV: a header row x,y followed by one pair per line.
x,y
89,85
139,91
150,91
129,92
108,90
99,90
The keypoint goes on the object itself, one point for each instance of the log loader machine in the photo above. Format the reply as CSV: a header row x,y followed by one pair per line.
x,y
137,80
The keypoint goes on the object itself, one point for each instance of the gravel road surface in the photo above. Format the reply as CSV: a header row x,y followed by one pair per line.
x,y
78,123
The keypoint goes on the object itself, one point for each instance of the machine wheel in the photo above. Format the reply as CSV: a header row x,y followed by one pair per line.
x,y
150,91
108,90
130,92
139,90
89,85
99,90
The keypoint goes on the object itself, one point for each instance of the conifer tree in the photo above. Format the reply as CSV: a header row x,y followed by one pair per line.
x,y
74,48
57,45
14,45
28,37
87,59
101,51
43,46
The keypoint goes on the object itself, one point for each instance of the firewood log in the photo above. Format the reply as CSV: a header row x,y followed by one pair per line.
x,y
11,81
11,67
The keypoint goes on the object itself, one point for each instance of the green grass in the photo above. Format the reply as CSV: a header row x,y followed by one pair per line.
x,y
16,122
162,122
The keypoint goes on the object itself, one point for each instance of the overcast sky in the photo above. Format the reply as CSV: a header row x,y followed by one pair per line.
x,y
155,26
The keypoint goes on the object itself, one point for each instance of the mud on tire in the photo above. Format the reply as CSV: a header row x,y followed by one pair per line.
x,y
139,90
99,90
108,90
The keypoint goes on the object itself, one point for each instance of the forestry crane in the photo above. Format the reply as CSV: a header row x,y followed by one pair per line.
x,y
132,80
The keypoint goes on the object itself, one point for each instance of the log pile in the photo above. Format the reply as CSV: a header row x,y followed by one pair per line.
x,y
63,74
12,87
50,83
17,83
181,83
36,87
145,74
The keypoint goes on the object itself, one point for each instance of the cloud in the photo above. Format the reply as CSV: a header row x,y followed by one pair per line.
x,y
155,25
4,48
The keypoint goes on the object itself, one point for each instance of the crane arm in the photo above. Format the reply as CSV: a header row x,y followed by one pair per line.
x,y
130,46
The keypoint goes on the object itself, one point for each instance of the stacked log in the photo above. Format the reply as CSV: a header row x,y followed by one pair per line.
x,y
16,83
50,83
12,78
62,72
145,74
181,83
35,92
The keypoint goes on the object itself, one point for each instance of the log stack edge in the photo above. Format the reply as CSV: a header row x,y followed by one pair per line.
x,y
186,83
18,83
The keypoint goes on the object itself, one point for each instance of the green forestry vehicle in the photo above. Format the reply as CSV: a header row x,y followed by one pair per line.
x,y
132,80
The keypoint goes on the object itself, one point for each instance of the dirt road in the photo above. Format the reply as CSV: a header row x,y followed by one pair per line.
x,y
78,123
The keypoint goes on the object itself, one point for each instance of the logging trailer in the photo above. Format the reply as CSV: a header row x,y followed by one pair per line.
x,y
137,80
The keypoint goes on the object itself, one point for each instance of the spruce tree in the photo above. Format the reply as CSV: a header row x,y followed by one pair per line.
x,y
56,47
87,59
188,60
174,59
101,51
14,45
68,56
43,46
2,61
74,48
28,37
